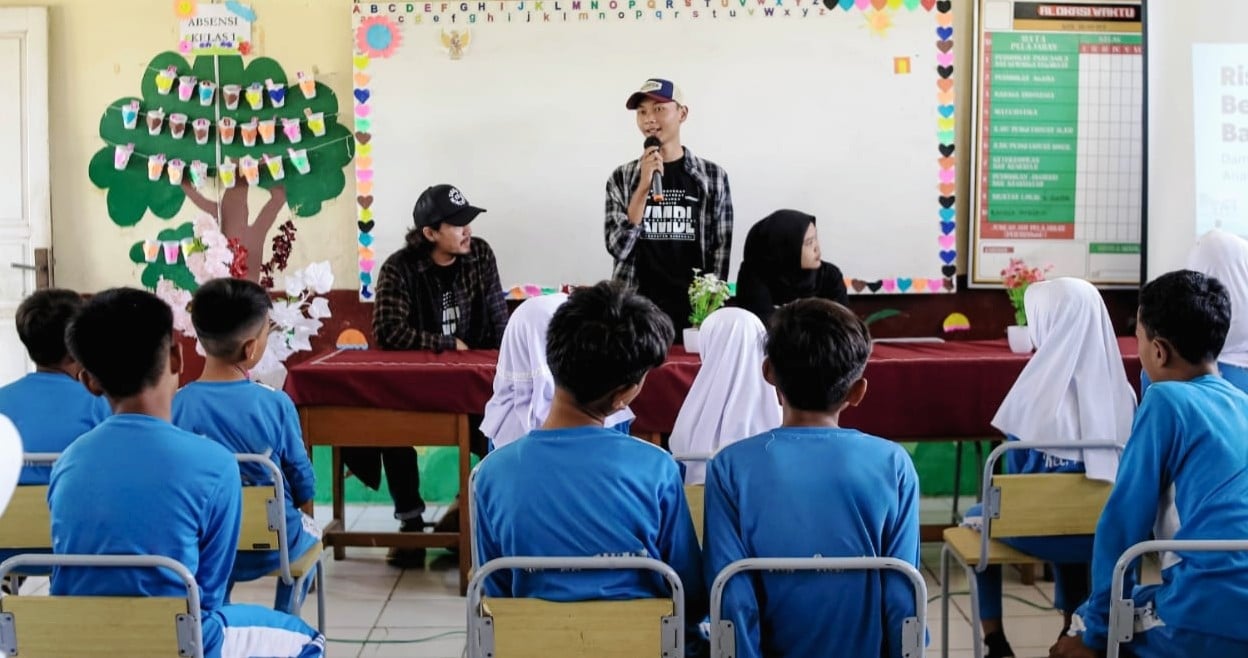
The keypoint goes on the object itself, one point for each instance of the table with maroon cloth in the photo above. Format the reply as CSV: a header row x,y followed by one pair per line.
x,y
916,392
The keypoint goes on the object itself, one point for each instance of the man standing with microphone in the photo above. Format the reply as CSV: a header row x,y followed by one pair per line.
x,y
668,212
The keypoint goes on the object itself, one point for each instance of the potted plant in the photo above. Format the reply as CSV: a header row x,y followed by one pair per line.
x,y
706,295
1016,277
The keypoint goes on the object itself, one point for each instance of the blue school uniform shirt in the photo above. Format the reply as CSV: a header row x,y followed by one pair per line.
x,y
50,410
807,492
137,485
246,417
1236,375
1034,461
582,492
1189,444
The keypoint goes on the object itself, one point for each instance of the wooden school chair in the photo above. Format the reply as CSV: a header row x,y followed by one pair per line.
x,y
1025,505
695,494
1122,608
534,628
100,626
264,529
723,632
26,525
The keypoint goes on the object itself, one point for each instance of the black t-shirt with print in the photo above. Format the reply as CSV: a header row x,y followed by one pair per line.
x,y
445,275
670,246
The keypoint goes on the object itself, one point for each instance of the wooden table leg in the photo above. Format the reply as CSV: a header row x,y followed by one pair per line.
x,y
340,505
465,530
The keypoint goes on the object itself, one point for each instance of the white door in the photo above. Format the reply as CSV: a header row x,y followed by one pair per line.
x,y
25,211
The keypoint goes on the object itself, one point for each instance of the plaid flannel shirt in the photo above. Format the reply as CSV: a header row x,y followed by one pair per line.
x,y
407,314
714,221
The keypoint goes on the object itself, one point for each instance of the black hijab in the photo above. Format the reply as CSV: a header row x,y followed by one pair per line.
x,y
773,253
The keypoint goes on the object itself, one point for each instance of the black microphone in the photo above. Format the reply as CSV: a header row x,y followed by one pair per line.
x,y
656,181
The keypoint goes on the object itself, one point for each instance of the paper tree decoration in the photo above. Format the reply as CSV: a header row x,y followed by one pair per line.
x,y
317,176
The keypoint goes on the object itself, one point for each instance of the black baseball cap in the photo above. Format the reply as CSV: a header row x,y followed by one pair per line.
x,y
444,204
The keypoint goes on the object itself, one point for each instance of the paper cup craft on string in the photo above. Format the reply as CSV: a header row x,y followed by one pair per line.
x,y
307,84
199,173
207,91
290,127
121,156
130,115
277,93
171,251
225,129
230,94
255,95
299,158
268,130
250,168
249,131
274,163
155,119
165,80
176,167
201,127
177,125
186,88
316,122
188,245
228,173
155,166
151,250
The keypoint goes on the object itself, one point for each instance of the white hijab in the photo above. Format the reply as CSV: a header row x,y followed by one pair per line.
x,y
523,384
729,399
10,461
1224,256
1075,387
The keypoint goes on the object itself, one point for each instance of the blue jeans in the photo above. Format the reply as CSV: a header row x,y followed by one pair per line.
x,y
1071,557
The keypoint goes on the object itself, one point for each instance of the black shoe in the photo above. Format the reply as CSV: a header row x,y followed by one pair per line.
x,y
998,647
408,558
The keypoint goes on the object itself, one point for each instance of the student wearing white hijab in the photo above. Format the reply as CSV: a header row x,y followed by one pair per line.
x,y
523,385
1074,388
10,460
1224,256
729,399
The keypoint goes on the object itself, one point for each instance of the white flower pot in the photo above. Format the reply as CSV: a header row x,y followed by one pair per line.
x,y
1019,337
692,340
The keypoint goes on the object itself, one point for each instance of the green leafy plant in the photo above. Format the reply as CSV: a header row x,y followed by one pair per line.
x,y
707,294
882,314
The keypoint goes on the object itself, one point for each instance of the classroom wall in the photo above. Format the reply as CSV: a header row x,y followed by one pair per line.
x,y
98,52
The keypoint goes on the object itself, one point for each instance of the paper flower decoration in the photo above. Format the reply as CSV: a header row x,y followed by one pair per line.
x,y
244,48
184,9
956,322
184,47
879,22
377,36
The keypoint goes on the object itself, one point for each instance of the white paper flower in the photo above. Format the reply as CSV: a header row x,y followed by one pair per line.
x,y
286,314
294,284
319,308
178,300
319,277
205,223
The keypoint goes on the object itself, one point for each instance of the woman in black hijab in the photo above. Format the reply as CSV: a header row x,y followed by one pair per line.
x,y
782,263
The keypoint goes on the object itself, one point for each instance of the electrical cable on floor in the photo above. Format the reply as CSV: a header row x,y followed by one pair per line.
x,y
415,641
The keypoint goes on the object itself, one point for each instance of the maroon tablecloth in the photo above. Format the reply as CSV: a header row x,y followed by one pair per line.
x,y
915,390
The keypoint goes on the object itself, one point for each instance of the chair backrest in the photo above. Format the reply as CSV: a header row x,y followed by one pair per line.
x,y
103,626
533,628
913,633
524,627
26,523
264,510
1045,504
696,495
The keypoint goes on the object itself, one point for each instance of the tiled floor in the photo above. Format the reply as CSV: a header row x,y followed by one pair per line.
x,y
376,610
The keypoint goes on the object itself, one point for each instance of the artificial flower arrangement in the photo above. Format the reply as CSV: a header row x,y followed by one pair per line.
x,y
1016,277
707,294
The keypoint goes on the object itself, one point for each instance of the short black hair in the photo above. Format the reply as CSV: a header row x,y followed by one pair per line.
x,y
1190,310
817,349
41,321
226,312
122,336
604,338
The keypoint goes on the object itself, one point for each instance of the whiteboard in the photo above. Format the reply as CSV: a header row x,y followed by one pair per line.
x,y
842,113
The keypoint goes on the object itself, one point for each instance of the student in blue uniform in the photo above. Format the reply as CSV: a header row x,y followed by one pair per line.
x,y
136,484
811,488
1074,388
231,318
1224,256
575,488
49,406
1184,475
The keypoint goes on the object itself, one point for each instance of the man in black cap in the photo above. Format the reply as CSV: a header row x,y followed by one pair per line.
x,y
440,292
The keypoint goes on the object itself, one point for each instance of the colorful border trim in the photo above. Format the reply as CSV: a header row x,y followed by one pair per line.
x,y
364,172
